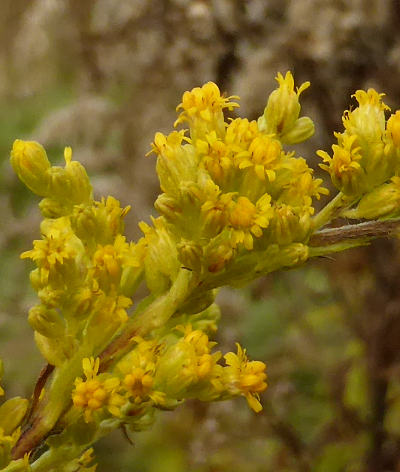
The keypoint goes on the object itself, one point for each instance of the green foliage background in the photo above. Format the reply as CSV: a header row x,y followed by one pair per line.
x,y
103,76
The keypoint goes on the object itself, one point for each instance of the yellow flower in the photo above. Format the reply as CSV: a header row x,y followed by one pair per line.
x,y
109,260
240,133
138,369
204,360
216,156
58,246
263,155
344,166
100,222
248,219
203,110
204,102
215,211
246,377
95,393
166,144
300,187
367,121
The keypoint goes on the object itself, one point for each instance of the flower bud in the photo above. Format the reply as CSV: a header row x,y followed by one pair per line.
x,y
70,184
168,207
51,349
30,163
175,371
302,130
383,201
51,208
190,254
281,115
12,413
161,262
46,321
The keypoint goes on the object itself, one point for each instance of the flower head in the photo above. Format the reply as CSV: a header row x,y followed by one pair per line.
x,y
249,219
246,377
96,392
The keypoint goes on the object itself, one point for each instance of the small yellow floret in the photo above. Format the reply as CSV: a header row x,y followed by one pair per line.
x,y
94,393
344,166
248,377
263,156
248,219
203,102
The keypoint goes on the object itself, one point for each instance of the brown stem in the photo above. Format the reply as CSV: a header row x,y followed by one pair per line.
x,y
40,383
367,230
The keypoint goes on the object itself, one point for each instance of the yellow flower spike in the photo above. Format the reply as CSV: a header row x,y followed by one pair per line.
x,y
30,163
281,115
219,252
245,377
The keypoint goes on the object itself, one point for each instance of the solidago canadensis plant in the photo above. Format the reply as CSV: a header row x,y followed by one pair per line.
x,y
236,203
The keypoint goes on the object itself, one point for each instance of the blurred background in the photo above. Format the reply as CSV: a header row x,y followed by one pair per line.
x,y
103,76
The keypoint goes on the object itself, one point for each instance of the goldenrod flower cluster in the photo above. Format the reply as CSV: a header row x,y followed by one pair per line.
x,y
236,203
365,162
229,186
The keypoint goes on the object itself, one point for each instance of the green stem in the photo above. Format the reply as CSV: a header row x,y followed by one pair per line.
x,y
153,317
58,399
332,210
58,457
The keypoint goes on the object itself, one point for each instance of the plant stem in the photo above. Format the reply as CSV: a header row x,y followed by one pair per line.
x,y
332,210
59,397
368,230
154,316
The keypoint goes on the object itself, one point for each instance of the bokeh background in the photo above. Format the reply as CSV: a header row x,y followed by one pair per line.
x,y
103,76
